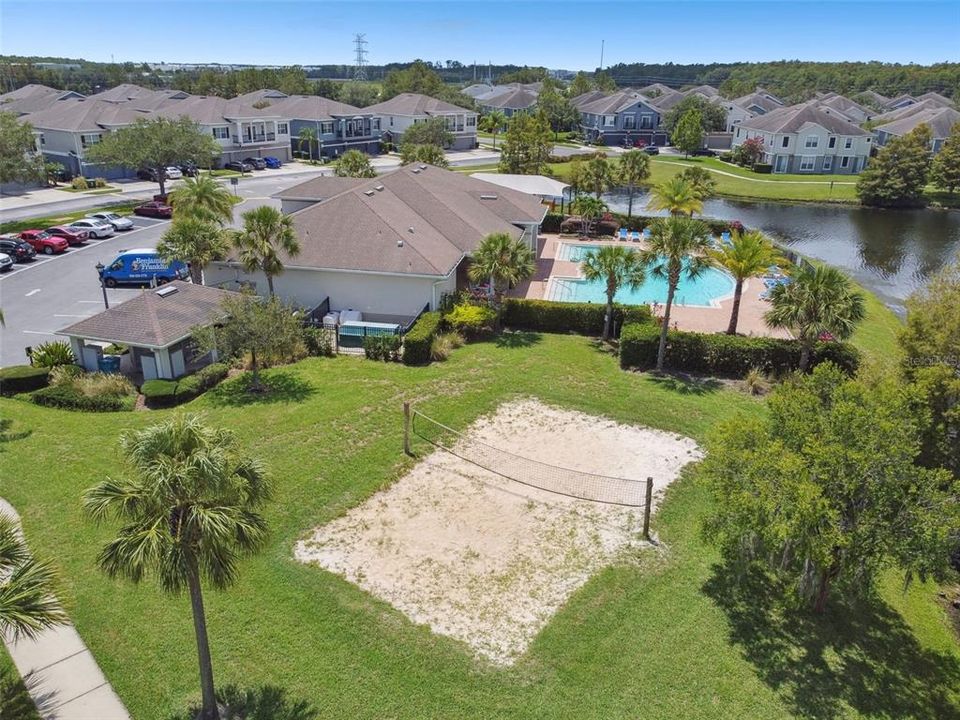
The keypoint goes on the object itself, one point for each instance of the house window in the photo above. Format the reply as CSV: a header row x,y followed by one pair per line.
x,y
451,121
43,140
221,133
827,163
609,120
375,124
471,121
844,161
808,163
786,142
832,143
812,141
326,127
646,122
847,143
282,129
629,122
89,140
391,121
738,132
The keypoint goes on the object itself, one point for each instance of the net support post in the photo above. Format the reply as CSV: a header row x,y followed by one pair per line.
x,y
646,509
406,428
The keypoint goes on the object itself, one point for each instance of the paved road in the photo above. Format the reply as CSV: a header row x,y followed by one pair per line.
x,y
46,295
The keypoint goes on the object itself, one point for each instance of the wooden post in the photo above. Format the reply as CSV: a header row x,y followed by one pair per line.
x,y
646,509
406,428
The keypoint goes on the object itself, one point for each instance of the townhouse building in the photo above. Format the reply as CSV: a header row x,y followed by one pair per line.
x,y
408,109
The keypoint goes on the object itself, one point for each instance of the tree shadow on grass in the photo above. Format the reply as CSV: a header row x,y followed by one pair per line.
x,y
683,384
859,655
278,386
517,339
266,702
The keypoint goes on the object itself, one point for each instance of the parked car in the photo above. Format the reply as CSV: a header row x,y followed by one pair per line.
x,y
173,173
17,249
44,242
72,236
256,162
6,262
97,228
651,150
189,170
118,221
272,162
142,266
148,174
704,152
153,209
238,166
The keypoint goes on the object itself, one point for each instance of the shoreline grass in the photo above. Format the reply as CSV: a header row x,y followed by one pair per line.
x,y
43,221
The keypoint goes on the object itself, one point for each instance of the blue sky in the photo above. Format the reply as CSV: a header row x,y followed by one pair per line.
x,y
559,34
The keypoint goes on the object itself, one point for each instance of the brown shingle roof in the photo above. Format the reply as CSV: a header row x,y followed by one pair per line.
x,y
413,104
940,121
314,107
421,222
151,319
513,98
78,115
320,188
792,119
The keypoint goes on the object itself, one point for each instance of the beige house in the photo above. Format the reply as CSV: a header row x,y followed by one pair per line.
x,y
407,109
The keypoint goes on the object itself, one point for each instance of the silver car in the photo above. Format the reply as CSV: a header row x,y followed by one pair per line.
x,y
6,262
118,221
173,173
97,228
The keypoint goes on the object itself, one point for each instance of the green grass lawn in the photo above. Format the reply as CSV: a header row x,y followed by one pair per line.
x,y
15,702
92,191
44,221
669,635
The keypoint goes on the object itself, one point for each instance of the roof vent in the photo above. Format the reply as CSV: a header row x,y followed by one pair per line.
x,y
423,167
165,291
400,242
379,188
415,171
410,229
368,193
488,196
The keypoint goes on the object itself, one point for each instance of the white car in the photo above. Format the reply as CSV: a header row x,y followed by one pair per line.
x,y
97,228
173,173
118,221
6,262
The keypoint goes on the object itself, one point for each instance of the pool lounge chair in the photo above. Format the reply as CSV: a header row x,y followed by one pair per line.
x,y
647,233
622,235
635,236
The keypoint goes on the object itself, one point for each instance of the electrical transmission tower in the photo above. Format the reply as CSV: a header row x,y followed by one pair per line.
x,y
360,48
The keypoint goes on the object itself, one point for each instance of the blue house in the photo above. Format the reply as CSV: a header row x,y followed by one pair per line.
x,y
623,118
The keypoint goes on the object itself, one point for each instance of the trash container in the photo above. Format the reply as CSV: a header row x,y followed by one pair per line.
x,y
109,364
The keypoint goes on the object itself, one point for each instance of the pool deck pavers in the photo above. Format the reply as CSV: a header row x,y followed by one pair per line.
x,y
695,318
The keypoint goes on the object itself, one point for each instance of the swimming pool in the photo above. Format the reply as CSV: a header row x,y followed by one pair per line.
x,y
706,291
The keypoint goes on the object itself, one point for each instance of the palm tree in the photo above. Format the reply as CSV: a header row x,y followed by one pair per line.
x,y
307,136
634,169
820,299
203,198
266,233
701,180
677,248
677,196
188,513
503,261
27,603
747,255
589,209
598,175
195,241
617,266
493,123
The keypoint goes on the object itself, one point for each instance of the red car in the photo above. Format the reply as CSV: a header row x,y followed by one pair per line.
x,y
154,209
73,237
44,242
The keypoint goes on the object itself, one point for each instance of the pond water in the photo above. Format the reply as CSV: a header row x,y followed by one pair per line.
x,y
890,252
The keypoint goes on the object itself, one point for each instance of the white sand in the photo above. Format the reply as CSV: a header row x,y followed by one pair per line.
x,y
486,560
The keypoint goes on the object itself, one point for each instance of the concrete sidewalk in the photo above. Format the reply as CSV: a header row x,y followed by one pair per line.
x,y
61,674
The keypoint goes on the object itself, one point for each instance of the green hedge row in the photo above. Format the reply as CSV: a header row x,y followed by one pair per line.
x,y
417,342
724,355
67,398
553,221
167,393
23,378
561,317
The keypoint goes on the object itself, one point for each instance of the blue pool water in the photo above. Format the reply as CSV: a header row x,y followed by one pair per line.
x,y
711,286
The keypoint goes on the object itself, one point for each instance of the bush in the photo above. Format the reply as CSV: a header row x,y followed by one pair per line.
x,y
51,354
382,347
211,375
67,397
99,182
65,374
159,393
23,378
725,355
561,317
472,321
318,342
116,349
551,222
80,183
444,344
764,168
167,393
726,156
418,342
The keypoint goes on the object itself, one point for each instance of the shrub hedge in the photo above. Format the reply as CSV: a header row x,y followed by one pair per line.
x,y
382,347
724,355
763,168
167,393
23,378
555,222
417,342
66,397
561,317
473,321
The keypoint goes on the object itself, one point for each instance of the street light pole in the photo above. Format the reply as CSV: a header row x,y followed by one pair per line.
x,y
103,287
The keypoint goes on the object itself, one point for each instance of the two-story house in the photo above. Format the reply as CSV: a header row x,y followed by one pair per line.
x,y
509,99
621,118
759,102
407,109
808,138
940,120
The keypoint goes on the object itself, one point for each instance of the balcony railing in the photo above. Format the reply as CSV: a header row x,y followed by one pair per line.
x,y
252,139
